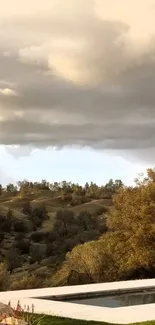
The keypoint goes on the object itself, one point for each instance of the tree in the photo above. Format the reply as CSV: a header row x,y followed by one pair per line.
x,y
1,236
4,277
44,185
27,208
118,184
1,189
39,215
13,259
6,221
89,261
25,187
11,188
20,225
86,221
37,252
39,236
23,245
63,222
114,185
132,217
127,250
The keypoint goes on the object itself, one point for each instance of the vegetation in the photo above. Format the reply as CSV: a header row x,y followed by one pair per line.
x,y
28,315
51,320
66,234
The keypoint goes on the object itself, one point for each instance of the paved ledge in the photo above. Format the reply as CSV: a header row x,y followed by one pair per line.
x,y
122,315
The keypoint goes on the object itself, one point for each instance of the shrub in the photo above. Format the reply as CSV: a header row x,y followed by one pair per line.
x,y
38,236
101,210
19,225
4,277
52,236
31,318
13,259
1,236
19,236
6,222
26,282
23,245
27,209
37,252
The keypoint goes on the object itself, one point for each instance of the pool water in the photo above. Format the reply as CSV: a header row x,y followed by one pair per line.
x,y
130,299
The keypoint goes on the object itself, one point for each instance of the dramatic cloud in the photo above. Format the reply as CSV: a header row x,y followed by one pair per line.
x,y
78,72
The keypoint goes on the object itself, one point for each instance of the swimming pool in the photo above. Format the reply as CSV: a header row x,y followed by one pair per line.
x,y
68,301
115,301
110,300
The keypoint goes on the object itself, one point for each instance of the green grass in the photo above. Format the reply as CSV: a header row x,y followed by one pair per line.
x,y
51,320
66,321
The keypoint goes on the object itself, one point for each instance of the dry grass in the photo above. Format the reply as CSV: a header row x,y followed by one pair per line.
x,y
52,204
92,206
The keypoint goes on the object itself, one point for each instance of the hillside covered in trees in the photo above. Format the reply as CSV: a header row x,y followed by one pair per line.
x,y
64,233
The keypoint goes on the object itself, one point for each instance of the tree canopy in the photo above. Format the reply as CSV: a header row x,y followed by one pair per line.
x,y
127,249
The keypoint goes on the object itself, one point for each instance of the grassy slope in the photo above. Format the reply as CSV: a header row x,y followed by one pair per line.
x,y
49,320
52,204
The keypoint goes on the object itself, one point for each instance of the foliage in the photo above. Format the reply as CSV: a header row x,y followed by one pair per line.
x,y
26,282
112,242
53,320
38,215
39,236
37,252
28,315
70,230
31,318
4,277
127,250
20,225
13,259
1,236
6,221
23,245
11,188
66,190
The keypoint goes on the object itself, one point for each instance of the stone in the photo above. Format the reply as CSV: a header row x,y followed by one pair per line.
x,y
8,316
13,321
6,311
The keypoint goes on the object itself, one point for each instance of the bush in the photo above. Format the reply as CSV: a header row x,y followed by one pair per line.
x,y
23,245
26,282
4,277
19,236
38,236
6,222
20,225
101,210
37,252
1,236
27,209
49,250
38,216
53,236
13,259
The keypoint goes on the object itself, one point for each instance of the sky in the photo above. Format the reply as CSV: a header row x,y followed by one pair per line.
x,y
77,89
